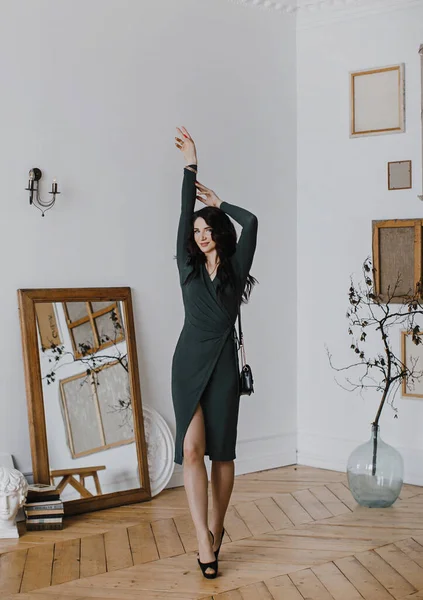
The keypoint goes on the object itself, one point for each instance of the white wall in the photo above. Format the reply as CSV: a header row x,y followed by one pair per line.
x,y
91,92
342,187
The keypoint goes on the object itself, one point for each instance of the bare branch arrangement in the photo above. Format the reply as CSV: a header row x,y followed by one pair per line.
x,y
368,314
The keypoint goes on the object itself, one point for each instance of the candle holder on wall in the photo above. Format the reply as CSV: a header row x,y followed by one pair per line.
x,y
35,199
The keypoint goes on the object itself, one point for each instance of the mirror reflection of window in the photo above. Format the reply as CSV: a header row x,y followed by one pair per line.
x,y
93,326
98,410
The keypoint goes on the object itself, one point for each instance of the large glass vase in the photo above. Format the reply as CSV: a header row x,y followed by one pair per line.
x,y
375,472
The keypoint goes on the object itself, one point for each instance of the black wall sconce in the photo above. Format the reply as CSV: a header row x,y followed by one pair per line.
x,y
35,175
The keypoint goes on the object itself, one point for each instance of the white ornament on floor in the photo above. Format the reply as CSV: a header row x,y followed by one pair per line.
x,y
160,449
13,490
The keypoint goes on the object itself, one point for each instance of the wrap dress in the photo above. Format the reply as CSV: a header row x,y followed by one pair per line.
x,y
205,365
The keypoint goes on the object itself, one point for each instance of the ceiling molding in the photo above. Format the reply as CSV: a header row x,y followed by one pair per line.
x,y
284,6
311,13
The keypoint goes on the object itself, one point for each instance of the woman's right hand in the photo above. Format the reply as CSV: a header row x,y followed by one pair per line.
x,y
185,144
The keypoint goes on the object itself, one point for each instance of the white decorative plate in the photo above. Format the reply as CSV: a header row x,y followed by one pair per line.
x,y
160,449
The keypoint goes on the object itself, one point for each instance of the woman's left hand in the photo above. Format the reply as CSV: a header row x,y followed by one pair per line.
x,y
207,196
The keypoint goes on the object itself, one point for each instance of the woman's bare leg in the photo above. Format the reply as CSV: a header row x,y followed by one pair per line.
x,y
196,484
222,479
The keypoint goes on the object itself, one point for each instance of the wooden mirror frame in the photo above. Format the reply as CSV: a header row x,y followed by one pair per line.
x,y
28,298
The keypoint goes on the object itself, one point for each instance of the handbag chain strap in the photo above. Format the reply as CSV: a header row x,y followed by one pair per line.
x,y
241,339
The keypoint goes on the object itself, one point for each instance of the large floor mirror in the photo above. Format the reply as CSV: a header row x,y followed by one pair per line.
x,y
84,400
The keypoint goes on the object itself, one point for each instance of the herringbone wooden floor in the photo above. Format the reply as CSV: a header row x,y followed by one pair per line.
x,y
294,533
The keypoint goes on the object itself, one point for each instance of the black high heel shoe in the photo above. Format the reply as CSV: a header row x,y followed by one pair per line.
x,y
210,565
216,552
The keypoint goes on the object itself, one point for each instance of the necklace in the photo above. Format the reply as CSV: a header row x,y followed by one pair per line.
x,y
211,272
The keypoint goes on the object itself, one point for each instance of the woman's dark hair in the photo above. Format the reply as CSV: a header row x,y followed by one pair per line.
x,y
224,235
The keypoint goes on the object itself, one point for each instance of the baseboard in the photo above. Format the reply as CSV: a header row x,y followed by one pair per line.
x,y
324,452
413,461
332,453
256,454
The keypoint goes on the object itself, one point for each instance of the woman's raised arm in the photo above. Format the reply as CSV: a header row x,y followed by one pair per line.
x,y
185,143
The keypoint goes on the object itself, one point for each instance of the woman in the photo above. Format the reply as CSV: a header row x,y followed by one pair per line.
x,y
214,276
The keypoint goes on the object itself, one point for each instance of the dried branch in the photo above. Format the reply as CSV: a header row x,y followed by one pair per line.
x,y
369,313
88,356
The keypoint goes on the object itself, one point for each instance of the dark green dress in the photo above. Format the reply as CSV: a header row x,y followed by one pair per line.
x,y
205,363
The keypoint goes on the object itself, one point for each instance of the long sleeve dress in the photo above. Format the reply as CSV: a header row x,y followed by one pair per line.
x,y
205,365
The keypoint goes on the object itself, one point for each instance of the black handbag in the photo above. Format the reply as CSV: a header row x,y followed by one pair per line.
x,y
246,381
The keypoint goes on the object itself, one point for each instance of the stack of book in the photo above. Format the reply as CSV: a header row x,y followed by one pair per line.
x,y
43,508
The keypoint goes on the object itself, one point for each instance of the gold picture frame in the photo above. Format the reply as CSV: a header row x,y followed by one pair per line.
x,y
377,101
410,351
397,249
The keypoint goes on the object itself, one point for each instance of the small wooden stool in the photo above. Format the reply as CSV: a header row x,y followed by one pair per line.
x,y
68,478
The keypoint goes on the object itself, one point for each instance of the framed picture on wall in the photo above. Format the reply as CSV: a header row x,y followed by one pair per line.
x,y
397,258
412,358
399,175
377,98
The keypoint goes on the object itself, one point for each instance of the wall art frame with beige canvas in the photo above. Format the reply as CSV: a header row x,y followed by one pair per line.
x,y
397,252
400,175
412,358
377,101
84,402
